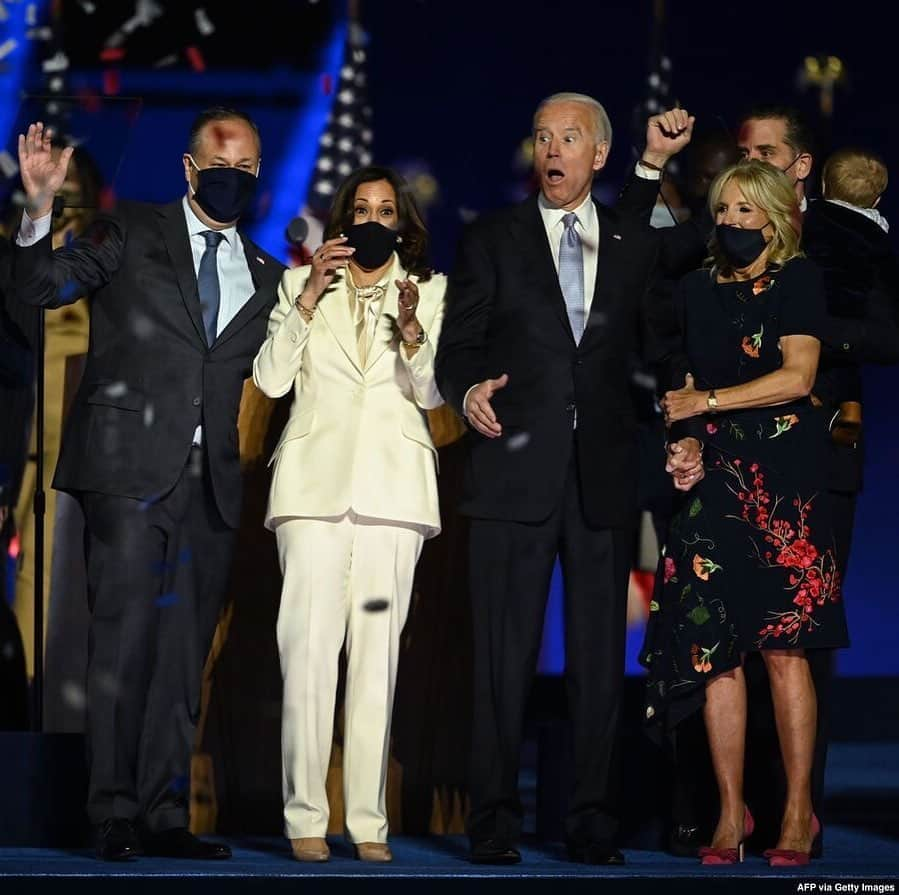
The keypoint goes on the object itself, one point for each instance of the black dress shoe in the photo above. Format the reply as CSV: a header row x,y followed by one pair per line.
x,y
116,840
595,853
684,841
494,851
180,843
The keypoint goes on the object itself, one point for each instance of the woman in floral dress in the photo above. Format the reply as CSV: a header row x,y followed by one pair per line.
x,y
749,564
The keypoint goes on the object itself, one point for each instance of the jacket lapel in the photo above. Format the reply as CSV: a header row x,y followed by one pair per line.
x,y
177,242
334,309
265,277
608,253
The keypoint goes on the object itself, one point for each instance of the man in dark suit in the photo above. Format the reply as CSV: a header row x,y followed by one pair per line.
x,y
543,310
180,303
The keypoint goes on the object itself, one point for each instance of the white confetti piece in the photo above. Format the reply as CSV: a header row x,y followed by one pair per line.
x,y
7,47
58,62
204,23
31,14
8,165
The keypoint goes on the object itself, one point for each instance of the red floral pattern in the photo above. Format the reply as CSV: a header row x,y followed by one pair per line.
x,y
813,577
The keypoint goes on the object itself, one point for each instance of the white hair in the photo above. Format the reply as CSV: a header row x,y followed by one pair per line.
x,y
602,127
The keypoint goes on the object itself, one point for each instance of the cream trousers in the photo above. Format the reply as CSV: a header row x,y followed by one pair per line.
x,y
348,580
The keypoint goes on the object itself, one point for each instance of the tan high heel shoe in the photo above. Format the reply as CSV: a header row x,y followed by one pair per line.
x,y
311,848
373,851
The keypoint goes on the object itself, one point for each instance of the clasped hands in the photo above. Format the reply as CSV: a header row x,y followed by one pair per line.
x,y
684,457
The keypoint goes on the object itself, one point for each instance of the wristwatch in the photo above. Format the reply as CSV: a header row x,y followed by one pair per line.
x,y
711,401
420,339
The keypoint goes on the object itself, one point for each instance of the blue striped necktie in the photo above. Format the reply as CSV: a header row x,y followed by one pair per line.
x,y
208,284
571,275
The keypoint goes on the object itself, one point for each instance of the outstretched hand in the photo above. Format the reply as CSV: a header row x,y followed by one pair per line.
x,y
478,410
42,174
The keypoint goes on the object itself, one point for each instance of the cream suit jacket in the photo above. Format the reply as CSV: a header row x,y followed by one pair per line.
x,y
356,438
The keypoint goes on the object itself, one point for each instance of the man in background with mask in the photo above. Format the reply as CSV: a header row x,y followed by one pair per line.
x,y
180,301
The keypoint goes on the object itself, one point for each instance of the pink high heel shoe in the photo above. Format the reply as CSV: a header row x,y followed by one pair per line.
x,y
789,857
716,856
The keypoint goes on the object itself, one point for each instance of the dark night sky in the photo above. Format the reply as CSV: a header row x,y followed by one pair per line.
x,y
456,81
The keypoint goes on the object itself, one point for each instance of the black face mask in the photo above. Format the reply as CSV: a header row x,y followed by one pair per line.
x,y
740,246
224,193
373,243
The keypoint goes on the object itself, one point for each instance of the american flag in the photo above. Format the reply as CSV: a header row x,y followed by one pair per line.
x,y
345,143
657,95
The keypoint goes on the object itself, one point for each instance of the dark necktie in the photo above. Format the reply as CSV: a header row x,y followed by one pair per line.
x,y
208,284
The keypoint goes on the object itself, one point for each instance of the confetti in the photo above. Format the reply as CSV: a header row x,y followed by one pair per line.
x,y
112,54
73,695
43,33
518,441
8,165
171,59
87,6
7,47
31,14
57,62
204,24
195,58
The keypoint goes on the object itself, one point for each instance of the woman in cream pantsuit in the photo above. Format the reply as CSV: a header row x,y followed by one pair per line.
x,y
354,492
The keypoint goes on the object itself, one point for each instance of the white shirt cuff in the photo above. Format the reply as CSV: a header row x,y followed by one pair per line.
x,y
32,231
647,173
465,400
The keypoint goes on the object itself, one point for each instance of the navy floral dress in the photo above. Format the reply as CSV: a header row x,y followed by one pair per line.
x,y
750,561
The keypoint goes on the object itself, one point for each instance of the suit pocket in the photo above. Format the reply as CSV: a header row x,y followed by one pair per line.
x,y
115,394
297,427
421,436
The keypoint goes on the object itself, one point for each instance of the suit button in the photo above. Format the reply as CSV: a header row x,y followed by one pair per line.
x,y
845,346
293,337
571,407
197,402
579,363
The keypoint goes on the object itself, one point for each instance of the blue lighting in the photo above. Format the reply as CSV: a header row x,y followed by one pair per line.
x,y
301,150
15,62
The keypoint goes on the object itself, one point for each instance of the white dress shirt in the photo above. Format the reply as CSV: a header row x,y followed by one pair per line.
x,y
588,230
587,227
235,280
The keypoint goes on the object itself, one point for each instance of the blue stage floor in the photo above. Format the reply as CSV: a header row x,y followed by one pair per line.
x,y
862,845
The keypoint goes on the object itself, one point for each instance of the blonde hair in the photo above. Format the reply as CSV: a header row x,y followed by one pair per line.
x,y
854,176
602,127
770,190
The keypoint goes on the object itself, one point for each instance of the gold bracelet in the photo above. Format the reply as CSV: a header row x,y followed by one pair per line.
x,y
306,313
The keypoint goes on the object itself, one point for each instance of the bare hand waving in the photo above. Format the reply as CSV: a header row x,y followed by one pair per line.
x,y
42,173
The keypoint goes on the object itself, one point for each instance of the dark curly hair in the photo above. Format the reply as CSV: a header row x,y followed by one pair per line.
x,y
413,250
